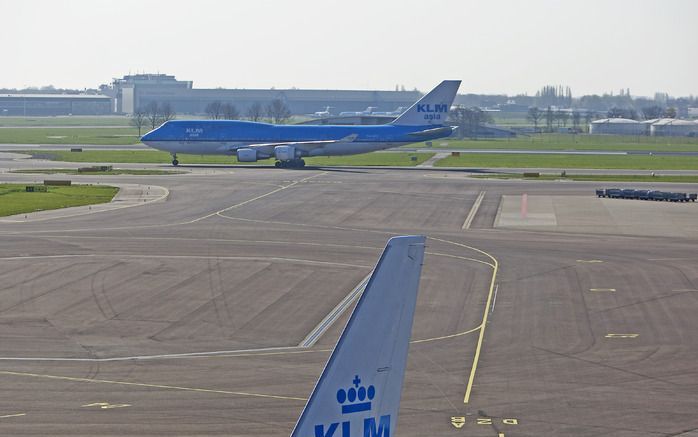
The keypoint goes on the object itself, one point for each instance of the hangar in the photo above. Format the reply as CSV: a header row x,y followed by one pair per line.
x,y
54,104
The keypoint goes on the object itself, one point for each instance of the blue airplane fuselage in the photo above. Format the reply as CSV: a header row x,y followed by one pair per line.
x,y
226,136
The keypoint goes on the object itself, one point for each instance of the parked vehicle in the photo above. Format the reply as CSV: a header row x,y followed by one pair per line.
x,y
643,194
614,193
658,195
629,193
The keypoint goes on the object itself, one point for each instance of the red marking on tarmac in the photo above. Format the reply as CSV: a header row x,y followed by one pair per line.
x,y
524,205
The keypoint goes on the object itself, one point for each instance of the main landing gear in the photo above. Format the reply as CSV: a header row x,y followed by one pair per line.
x,y
174,160
293,163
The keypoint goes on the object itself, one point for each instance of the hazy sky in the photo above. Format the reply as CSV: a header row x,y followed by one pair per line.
x,y
512,46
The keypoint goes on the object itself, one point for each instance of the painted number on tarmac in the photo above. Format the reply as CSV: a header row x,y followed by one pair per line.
x,y
621,335
106,405
459,421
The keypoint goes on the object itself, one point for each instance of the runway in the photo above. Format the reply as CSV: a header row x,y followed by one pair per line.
x,y
191,315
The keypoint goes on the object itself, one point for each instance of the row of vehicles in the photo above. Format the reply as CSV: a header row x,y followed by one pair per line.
x,y
630,193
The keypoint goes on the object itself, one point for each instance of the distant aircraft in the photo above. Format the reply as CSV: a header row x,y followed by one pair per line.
x,y
288,144
358,393
398,111
367,111
320,114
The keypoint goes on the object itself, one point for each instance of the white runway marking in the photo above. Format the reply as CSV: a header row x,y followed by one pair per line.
x,y
471,215
329,320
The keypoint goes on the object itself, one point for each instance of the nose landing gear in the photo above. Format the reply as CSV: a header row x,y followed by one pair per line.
x,y
292,163
174,160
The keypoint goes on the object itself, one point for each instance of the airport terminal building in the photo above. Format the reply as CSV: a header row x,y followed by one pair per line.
x,y
136,91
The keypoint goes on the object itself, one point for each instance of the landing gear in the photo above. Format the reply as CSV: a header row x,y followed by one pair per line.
x,y
174,160
293,163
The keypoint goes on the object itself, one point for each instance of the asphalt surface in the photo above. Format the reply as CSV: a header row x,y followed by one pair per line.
x,y
183,316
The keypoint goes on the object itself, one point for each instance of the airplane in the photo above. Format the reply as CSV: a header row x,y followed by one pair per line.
x,y
367,111
396,112
320,114
289,144
358,392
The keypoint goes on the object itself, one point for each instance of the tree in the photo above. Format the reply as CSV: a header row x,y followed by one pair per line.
x,y
167,112
229,111
138,119
562,118
152,111
534,115
214,109
588,117
651,112
670,112
278,112
468,120
616,112
549,118
576,120
255,112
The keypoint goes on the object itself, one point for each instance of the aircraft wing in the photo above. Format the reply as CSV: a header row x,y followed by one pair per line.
x,y
446,130
268,148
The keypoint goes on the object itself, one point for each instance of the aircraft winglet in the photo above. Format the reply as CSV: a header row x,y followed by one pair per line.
x,y
358,393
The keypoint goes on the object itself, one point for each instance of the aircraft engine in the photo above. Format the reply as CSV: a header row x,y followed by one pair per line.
x,y
247,155
285,153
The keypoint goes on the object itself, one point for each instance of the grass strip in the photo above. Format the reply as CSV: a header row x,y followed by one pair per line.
x,y
107,136
573,142
15,200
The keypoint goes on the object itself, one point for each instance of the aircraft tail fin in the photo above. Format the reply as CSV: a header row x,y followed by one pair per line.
x,y
432,108
359,391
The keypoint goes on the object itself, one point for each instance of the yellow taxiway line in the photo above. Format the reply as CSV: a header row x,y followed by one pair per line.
x,y
483,325
140,384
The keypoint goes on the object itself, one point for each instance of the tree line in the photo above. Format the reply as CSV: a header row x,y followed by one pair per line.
x,y
468,120
560,96
556,117
154,114
276,111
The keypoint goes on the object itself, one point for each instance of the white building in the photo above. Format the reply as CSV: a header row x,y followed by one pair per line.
x,y
617,126
672,127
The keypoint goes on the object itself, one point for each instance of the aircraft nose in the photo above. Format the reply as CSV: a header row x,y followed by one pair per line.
x,y
147,137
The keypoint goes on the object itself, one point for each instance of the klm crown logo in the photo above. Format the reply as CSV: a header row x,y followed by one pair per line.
x,y
357,398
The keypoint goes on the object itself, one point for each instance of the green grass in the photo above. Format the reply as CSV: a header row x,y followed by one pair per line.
x,y
157,157
574,142
116,171
98,120
600,178
15,200
633,162
70,135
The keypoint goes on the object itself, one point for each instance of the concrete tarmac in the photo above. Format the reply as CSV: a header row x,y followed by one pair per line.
x,y
184,316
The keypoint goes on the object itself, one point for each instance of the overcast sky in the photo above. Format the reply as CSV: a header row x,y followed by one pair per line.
x,y
505,46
